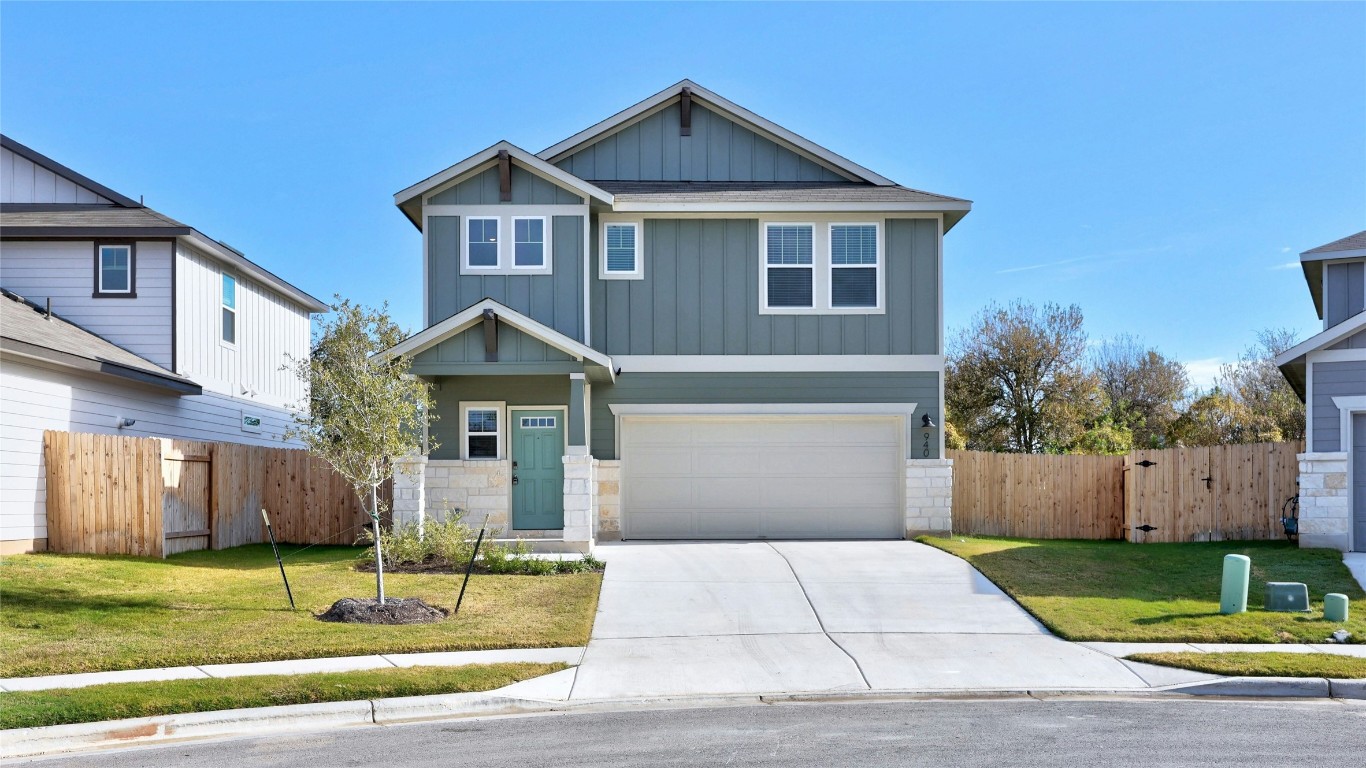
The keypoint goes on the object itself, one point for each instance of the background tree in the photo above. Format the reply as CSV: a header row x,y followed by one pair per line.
x,y
1267,401
1016,379
1144,389
363,410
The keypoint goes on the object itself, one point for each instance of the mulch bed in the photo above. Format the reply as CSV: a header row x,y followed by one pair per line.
x,y
396,610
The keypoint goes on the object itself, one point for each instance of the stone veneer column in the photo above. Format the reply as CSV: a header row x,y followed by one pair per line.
x,y
608,501
1325,501
929,497
410,496
579,487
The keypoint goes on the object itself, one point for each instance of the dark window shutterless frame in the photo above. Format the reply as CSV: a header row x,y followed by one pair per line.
x,y
102,291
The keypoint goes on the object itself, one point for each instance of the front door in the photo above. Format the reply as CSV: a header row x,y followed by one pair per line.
x,y
537,470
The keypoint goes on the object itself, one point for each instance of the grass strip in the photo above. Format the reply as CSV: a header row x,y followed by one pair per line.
x,y
117,701
1269,664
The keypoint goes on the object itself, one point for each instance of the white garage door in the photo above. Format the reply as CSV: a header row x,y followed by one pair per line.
x,y
775,477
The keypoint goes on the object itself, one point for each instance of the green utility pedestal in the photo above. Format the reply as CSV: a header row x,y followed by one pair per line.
x,y
1233,595
1335,608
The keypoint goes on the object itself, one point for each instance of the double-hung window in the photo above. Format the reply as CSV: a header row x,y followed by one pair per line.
x,y
114,271
481,242
853,265
229,310
482,434
621,246
528,242
788,269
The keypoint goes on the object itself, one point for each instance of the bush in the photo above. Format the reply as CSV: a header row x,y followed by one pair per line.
x,y
448,544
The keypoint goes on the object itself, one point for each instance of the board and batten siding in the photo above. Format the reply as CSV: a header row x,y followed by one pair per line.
x,y
1355,341
919,387
511,390
513,347
1344,292
700,296
719,149
1334,379
270,329
34,398
554,300
64,271
22,181
483,189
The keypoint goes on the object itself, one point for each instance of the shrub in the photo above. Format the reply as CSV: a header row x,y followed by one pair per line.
x,y
448,544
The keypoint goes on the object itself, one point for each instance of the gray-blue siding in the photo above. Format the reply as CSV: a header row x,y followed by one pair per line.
x,y
1344,291
700,296
921,388
513,347
1338,379
719,149
555,300
527,189
1355,341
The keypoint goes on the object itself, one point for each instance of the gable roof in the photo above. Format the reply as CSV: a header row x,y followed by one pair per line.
x,y
1311,262
27,330
729,109
468,317
1351,245
1292,361
41,160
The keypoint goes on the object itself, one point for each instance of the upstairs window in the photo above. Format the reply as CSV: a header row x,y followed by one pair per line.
x,y
481,242
528,242
787,265
621,246
229,329
853,265
114,271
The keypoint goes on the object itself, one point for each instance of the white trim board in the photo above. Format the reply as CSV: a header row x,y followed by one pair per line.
x,y
1325,339
777,363
1348,406
629,206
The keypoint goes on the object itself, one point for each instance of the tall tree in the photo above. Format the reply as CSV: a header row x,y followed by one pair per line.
x,y
1016,379
364,409
1257,385
1144,388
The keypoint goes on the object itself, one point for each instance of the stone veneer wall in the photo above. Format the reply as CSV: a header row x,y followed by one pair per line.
x,y
929,497
477,488
1325,501
608,508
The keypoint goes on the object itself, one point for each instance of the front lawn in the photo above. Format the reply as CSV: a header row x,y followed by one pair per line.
x,y
1269,664
31,709
1117,591
86,613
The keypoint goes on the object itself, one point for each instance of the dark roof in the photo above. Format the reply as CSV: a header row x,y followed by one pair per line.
x,y
766,192
26,329
27,220
1350,243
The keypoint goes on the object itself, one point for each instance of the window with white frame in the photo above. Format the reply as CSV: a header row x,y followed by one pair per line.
x,y
853,265
788,268
483,436
528,242
114,270
229,310
621,246
481,242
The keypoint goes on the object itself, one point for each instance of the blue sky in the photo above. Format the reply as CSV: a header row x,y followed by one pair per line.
x,y
1159,165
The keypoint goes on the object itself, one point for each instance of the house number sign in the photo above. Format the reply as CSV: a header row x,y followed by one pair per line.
x,y
925,450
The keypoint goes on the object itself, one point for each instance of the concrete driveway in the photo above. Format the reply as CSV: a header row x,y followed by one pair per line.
x,y
687,618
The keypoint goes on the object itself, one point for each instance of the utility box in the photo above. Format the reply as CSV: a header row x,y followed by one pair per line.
x,y
1286,596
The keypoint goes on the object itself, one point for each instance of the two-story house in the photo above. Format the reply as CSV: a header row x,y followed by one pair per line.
x,y
1328,371
683,322
117,319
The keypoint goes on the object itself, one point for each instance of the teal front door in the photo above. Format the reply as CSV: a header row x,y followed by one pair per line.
x,y
537,470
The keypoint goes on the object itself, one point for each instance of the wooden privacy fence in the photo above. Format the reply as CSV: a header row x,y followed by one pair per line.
x,y
115,495
1184,494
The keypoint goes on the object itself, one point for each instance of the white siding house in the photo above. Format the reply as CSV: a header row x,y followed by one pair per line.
x,y
114,322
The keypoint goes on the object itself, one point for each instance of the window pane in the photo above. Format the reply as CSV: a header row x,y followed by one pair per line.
x,y
229,292
482,420
483,446
853,244
529,230
789,244
114,271
229,326
483,242
621,247
529,255
789,287
854,287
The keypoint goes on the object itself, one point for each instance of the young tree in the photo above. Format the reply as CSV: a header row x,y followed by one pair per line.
x,y
364,410
1259,388
1145,389
1016,381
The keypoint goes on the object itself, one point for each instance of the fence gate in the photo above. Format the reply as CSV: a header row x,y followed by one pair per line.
x,y
187,479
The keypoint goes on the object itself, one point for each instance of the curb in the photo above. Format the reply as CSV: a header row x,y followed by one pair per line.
x,y
1273,687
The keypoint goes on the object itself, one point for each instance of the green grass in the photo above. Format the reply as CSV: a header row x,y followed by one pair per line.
x,y
1113,590
1261,664
85,613
31,709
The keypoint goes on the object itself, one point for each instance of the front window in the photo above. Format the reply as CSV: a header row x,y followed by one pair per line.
x,y
621,249
853,265
528,242
114,270
229,309
787,264
481,433
482,243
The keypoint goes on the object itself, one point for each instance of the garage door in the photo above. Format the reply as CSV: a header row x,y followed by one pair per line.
x,y
776,477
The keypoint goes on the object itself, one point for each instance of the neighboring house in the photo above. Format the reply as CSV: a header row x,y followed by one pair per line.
x,y
683,322
1328,371
117,319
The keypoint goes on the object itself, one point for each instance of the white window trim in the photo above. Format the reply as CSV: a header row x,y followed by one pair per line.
x,y
501,408
821,287
99,276
876,265
545,245
465,244
764,308
636,274
236,315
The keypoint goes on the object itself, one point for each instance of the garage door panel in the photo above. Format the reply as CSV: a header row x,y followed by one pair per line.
x,y
663,461
728,523
663,493
663,525
723,461
721,492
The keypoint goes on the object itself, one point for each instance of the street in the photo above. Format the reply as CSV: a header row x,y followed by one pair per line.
x,y
1018,731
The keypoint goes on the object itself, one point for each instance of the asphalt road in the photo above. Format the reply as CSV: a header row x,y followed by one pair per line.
x,y
1015,732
